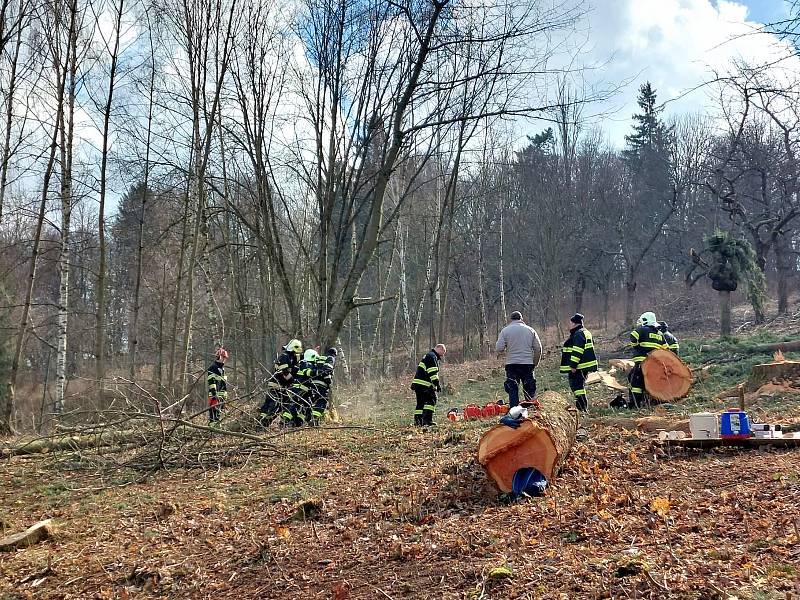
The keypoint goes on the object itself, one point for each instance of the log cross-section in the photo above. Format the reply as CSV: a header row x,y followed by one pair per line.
x,y
543,442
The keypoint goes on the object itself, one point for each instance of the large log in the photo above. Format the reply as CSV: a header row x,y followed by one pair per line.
x,y
543,442
32,535
666,377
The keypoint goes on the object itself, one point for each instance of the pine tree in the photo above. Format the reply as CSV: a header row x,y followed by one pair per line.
x,y
651,135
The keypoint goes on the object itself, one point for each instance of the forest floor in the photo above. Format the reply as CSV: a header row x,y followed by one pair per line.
x,y
378,509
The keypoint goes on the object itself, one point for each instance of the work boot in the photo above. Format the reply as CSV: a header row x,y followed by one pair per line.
x,y
427,418
417,420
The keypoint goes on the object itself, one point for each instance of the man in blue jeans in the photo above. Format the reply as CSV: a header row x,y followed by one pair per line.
x,y
523,350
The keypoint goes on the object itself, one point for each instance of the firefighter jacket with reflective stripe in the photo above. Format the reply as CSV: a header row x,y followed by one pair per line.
x,y
427,374
578,351
322,378
644,340
672,342
285,368
303,377
217,381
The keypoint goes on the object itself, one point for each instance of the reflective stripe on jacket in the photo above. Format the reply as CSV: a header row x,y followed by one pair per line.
x,y
578,351
284,370
427,374
217,381
644,340
672,342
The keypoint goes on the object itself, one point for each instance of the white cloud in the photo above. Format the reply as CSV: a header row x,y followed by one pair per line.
x,y
674,44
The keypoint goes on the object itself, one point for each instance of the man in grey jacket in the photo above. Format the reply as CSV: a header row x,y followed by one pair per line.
x,y
523,352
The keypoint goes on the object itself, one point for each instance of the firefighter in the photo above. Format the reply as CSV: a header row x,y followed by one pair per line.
x,y
426,384
285,369
644,339
294,411
217,386
670,340
321,387
578,360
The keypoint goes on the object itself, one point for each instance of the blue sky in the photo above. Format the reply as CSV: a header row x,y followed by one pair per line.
x,y
766,11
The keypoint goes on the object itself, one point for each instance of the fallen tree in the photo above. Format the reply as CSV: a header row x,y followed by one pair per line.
x,y
760,348
46,445
172,431
543,442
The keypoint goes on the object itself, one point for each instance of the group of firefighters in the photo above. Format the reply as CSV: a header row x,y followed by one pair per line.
x,y
523,351
297,391
299,388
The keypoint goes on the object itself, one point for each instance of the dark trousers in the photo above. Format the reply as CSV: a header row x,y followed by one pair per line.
x,y
636,393
426,404
319,404
514,375
294,410
577,383
273,405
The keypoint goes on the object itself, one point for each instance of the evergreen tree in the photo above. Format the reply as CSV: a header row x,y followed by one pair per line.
x,y
650,137
651,198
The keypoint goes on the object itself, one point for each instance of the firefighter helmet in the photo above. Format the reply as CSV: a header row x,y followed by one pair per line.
x,y
648,318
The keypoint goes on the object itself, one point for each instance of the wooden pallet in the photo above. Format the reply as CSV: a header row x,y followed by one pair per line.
x,y
743,443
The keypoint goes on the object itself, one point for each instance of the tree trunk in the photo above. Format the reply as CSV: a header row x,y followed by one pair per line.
x,y
630,299
134,334
543,442
178,300
666,378
5,158
783,263
501,274
484,324
725,314
162,311
100,321
67,139
578,290
7,404
778,371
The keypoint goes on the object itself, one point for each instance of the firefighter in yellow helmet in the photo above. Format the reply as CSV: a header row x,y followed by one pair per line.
x,y
283,374
644,339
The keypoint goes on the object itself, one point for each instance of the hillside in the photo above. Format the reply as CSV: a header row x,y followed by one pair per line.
x,y
377,509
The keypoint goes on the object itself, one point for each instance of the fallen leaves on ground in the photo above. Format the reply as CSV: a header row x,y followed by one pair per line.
x,y
384,513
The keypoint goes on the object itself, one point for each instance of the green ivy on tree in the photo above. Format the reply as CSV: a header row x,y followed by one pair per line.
x,y
732,262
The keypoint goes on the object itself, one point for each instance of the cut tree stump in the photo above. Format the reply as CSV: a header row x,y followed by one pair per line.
x,y
666,377
543,442
785,370
32,535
